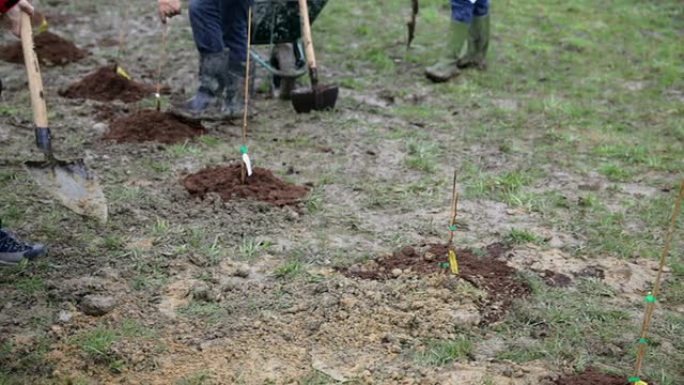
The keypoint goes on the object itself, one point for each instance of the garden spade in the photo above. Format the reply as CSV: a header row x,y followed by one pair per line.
x,y
318,97
70,182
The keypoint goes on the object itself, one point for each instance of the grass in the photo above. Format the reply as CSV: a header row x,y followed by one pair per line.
x,y
211,313
289,270
522,236
444,352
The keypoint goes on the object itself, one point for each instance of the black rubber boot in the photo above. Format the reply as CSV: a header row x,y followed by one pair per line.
x,y
234,99
214,79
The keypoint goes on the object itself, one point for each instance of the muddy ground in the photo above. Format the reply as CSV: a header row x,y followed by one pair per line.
x,y
569,151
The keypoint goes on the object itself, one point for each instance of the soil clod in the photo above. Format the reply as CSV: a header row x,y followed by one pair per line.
x,y
105,85
226,181
51,49
489,273
153,126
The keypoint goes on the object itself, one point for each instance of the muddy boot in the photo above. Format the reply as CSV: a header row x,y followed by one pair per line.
x,y
206,104
447,67
478,44
13,251
234,101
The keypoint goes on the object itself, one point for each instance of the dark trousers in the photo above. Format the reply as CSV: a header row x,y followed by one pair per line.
x,y
220,24
465,10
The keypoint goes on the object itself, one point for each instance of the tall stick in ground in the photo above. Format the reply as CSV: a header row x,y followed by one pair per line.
x,y
162,62
246,162
122,44
652,297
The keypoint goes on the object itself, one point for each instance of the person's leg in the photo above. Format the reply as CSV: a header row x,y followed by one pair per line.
x,y
478,41
207,30
13,250
461,17
234,23
235,18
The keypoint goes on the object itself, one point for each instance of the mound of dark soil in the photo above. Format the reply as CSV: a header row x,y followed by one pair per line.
x,y
593,377
51,49
488,273
105,85
153,126
226,182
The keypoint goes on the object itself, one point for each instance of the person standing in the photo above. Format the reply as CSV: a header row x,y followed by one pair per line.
x,y
13,250
219,28
469,27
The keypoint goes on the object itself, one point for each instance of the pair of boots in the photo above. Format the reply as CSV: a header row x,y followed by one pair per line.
x,y
476,35
221,93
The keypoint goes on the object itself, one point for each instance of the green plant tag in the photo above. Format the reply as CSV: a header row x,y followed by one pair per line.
x,y
244,150
650,298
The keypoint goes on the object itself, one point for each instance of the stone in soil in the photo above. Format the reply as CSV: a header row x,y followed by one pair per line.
x,y
51,49
153,126
593,377
105,85
489,273
226,181
97,305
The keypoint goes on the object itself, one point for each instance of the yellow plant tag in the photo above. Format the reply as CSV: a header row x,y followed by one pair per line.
x,y
453,262
641,383
122,72
43,27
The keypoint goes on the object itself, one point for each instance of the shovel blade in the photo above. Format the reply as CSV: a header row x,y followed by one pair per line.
x,y
318,98
72,185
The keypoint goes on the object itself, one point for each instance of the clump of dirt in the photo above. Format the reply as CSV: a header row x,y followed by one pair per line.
x,y
153,126
226,181
489,273
105,85
51,49
593,377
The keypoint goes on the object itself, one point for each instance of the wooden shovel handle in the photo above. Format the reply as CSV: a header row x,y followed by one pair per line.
x,y
306,35
35,80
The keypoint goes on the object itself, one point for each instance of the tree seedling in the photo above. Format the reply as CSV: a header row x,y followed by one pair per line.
x,y
453,260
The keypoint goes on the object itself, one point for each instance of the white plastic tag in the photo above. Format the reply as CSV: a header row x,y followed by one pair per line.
x,y
248,164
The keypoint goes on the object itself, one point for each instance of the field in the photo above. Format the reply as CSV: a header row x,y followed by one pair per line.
x,y
569,152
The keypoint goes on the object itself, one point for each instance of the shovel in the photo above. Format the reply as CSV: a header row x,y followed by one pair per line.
x,y
70,182
318,97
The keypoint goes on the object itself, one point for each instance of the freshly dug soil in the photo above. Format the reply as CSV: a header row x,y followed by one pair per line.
x,y
105,85
51,49
488,273
153,126
262,185
593,377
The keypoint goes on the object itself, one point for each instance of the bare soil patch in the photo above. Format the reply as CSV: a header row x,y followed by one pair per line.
x,y
226,182
153,126
105,85
52,50
489,273
593,377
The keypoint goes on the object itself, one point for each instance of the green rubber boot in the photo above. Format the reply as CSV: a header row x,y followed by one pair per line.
x,y
447,67
478,44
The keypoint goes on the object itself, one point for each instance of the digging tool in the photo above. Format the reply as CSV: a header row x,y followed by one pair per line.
x,y
318,97
70,182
